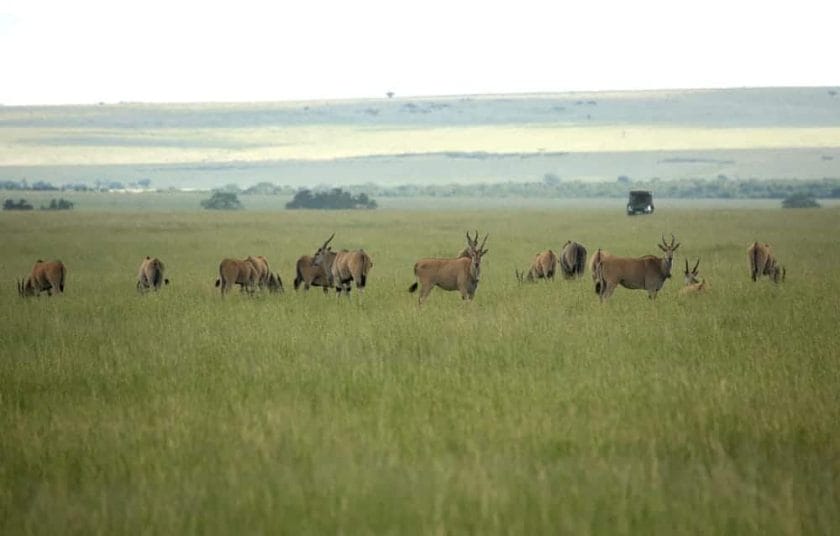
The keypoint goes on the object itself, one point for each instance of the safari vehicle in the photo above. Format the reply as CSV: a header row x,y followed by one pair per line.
x,y
640,202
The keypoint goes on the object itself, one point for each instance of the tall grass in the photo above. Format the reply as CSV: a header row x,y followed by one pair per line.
x,y
533,409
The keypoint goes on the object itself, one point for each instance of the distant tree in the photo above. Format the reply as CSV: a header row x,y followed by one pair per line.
x,y
800,200
60,204
144,183
43,186
550,179
391,94
335,199
623,179
222,201
22,204
263,188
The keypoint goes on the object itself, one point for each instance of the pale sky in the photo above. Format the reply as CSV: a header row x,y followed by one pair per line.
x,y
87,51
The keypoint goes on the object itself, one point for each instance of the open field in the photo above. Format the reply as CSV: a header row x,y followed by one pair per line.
x,y
533,409
742,133
191,202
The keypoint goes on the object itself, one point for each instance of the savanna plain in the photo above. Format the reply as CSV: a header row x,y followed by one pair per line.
x,y
533,409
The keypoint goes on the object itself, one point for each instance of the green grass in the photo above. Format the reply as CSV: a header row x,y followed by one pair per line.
x,y
533,409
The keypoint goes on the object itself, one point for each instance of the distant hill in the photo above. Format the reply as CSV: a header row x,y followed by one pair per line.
x,y
739,133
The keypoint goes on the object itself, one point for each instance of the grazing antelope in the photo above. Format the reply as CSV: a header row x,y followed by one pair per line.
x,y
44,276
543,267
236,272
275,284
648,272
345,267
572,259
762,262
260,264
461,274
693,283
265,278
150,276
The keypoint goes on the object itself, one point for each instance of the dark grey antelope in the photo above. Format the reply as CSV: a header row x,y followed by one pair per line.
x,y
644,273
150,275
572,260
44,277
761,262
461,274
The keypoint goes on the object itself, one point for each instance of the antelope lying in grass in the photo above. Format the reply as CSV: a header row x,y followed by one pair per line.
x,y
648,272
543,267
44,276
346,267
461,274
150,276
762,262
693,283
572,259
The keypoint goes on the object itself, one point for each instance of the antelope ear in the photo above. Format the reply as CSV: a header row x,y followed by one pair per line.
x,y
661,247
675,248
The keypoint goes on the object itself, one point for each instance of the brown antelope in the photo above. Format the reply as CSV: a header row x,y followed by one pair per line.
x,y
150,276
600,255
345,267
44,276
572,259
648,272
311,275
693,283
461,274
543,267
762,262
275,284
236,272
265,278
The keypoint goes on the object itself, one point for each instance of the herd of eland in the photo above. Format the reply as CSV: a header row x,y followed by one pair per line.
x,y
341,269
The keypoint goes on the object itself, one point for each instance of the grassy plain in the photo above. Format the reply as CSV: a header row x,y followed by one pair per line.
x,y
533,409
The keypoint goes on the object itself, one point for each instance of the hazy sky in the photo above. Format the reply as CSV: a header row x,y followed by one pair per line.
x,y
85,51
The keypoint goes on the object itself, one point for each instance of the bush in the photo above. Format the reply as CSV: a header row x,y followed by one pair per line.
x,y
20,205
335,199
222,201
61,204
800,200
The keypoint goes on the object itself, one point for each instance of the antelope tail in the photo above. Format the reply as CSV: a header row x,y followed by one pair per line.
x,y
218,281
599,273
298,278
61,281
413,287
754,262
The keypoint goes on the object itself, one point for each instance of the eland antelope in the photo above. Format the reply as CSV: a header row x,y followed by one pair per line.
x,y
648,272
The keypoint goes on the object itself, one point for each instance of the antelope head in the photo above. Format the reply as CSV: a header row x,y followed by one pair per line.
x,y
476,253
691,275
322,251
669,249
